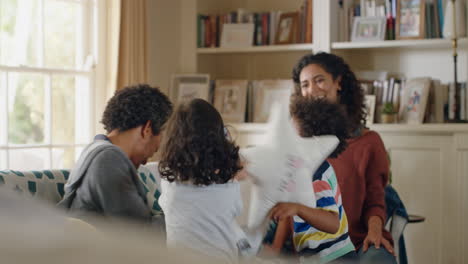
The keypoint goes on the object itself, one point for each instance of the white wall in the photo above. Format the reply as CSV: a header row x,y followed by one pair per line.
x,y
164,40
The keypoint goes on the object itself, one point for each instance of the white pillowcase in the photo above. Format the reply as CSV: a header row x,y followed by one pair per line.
x,y
281,169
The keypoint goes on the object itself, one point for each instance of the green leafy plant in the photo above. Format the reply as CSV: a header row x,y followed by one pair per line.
x,y
388,109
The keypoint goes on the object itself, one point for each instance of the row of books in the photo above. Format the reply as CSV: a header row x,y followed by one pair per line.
x,y
432,11
266,25
417,100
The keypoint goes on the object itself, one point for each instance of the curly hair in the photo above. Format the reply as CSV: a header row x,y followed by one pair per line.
x,y
351,94
316,117
197,149
135,105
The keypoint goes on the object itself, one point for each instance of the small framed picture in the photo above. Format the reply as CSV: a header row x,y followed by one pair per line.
x,y
369,102
287,27
266,93
230,99
237,35
414,101
368,29
185,87
410,19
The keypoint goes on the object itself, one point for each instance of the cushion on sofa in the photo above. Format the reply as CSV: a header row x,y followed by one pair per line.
x,y
46,185
49,185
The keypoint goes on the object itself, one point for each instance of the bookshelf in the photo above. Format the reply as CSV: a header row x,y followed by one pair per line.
x,y
429,161
436,129
417,44
308,47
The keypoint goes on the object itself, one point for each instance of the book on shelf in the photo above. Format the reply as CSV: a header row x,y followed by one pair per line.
x,y
416,100
348,10
210,26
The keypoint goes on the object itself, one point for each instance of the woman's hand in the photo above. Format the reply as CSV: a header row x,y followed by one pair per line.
x,y
374,236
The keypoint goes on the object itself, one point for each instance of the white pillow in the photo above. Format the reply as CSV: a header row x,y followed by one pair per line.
x,y
281,169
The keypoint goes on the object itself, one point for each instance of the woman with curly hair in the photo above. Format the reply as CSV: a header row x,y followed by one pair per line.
x,y
362,169
200,195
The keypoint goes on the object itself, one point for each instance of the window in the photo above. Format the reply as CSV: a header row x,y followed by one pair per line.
x,y
47,51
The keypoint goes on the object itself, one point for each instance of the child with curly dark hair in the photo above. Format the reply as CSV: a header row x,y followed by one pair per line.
x,y
321,233
200,195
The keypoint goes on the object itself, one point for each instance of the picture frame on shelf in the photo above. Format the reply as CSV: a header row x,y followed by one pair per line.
x,y
414,101
287,28
368,29
237,35
185,87
369,102
230,99
266,93
410,20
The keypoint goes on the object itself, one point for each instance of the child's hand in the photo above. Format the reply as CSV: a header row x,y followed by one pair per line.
x,y
284,210
241,175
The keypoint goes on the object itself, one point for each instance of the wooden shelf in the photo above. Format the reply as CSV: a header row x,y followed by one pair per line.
x,y
417,43
397,128
256,49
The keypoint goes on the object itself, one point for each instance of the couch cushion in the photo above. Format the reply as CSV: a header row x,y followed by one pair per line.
x,y
49,185
45,185
149,176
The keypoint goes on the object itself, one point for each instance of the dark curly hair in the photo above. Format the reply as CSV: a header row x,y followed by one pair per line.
x,y
133,106
351,94
316,117
196,148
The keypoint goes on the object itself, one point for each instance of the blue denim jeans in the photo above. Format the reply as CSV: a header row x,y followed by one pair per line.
x,y
378,256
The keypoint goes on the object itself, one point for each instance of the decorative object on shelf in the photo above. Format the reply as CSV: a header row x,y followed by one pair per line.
x,y
237,35
230,99
410,19
368,29
388,114
453,24
266,93
287,28
414,101
369,101
190,86
454,19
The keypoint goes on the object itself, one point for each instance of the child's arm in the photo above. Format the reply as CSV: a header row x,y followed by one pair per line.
x,y
242,174
283,232
323,220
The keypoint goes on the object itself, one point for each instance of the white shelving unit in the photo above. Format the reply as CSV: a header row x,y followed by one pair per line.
x,y
417,43
440,129
258,49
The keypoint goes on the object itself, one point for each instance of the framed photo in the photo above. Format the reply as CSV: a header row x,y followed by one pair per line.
x,y
237,35
414,102
410,19
368,29
287,27
230,99
369,101
266,93
186,87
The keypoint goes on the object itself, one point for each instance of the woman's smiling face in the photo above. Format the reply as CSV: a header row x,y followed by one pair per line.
x,y
315,82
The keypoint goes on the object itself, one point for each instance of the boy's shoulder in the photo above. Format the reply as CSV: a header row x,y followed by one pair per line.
x,y
320,172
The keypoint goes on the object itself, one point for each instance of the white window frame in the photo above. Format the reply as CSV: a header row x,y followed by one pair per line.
x,y
84,118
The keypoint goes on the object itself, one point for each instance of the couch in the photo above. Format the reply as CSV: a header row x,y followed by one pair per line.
x,y
48,185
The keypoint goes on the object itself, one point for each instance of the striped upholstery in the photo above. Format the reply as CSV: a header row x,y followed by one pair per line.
x,y
49,185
